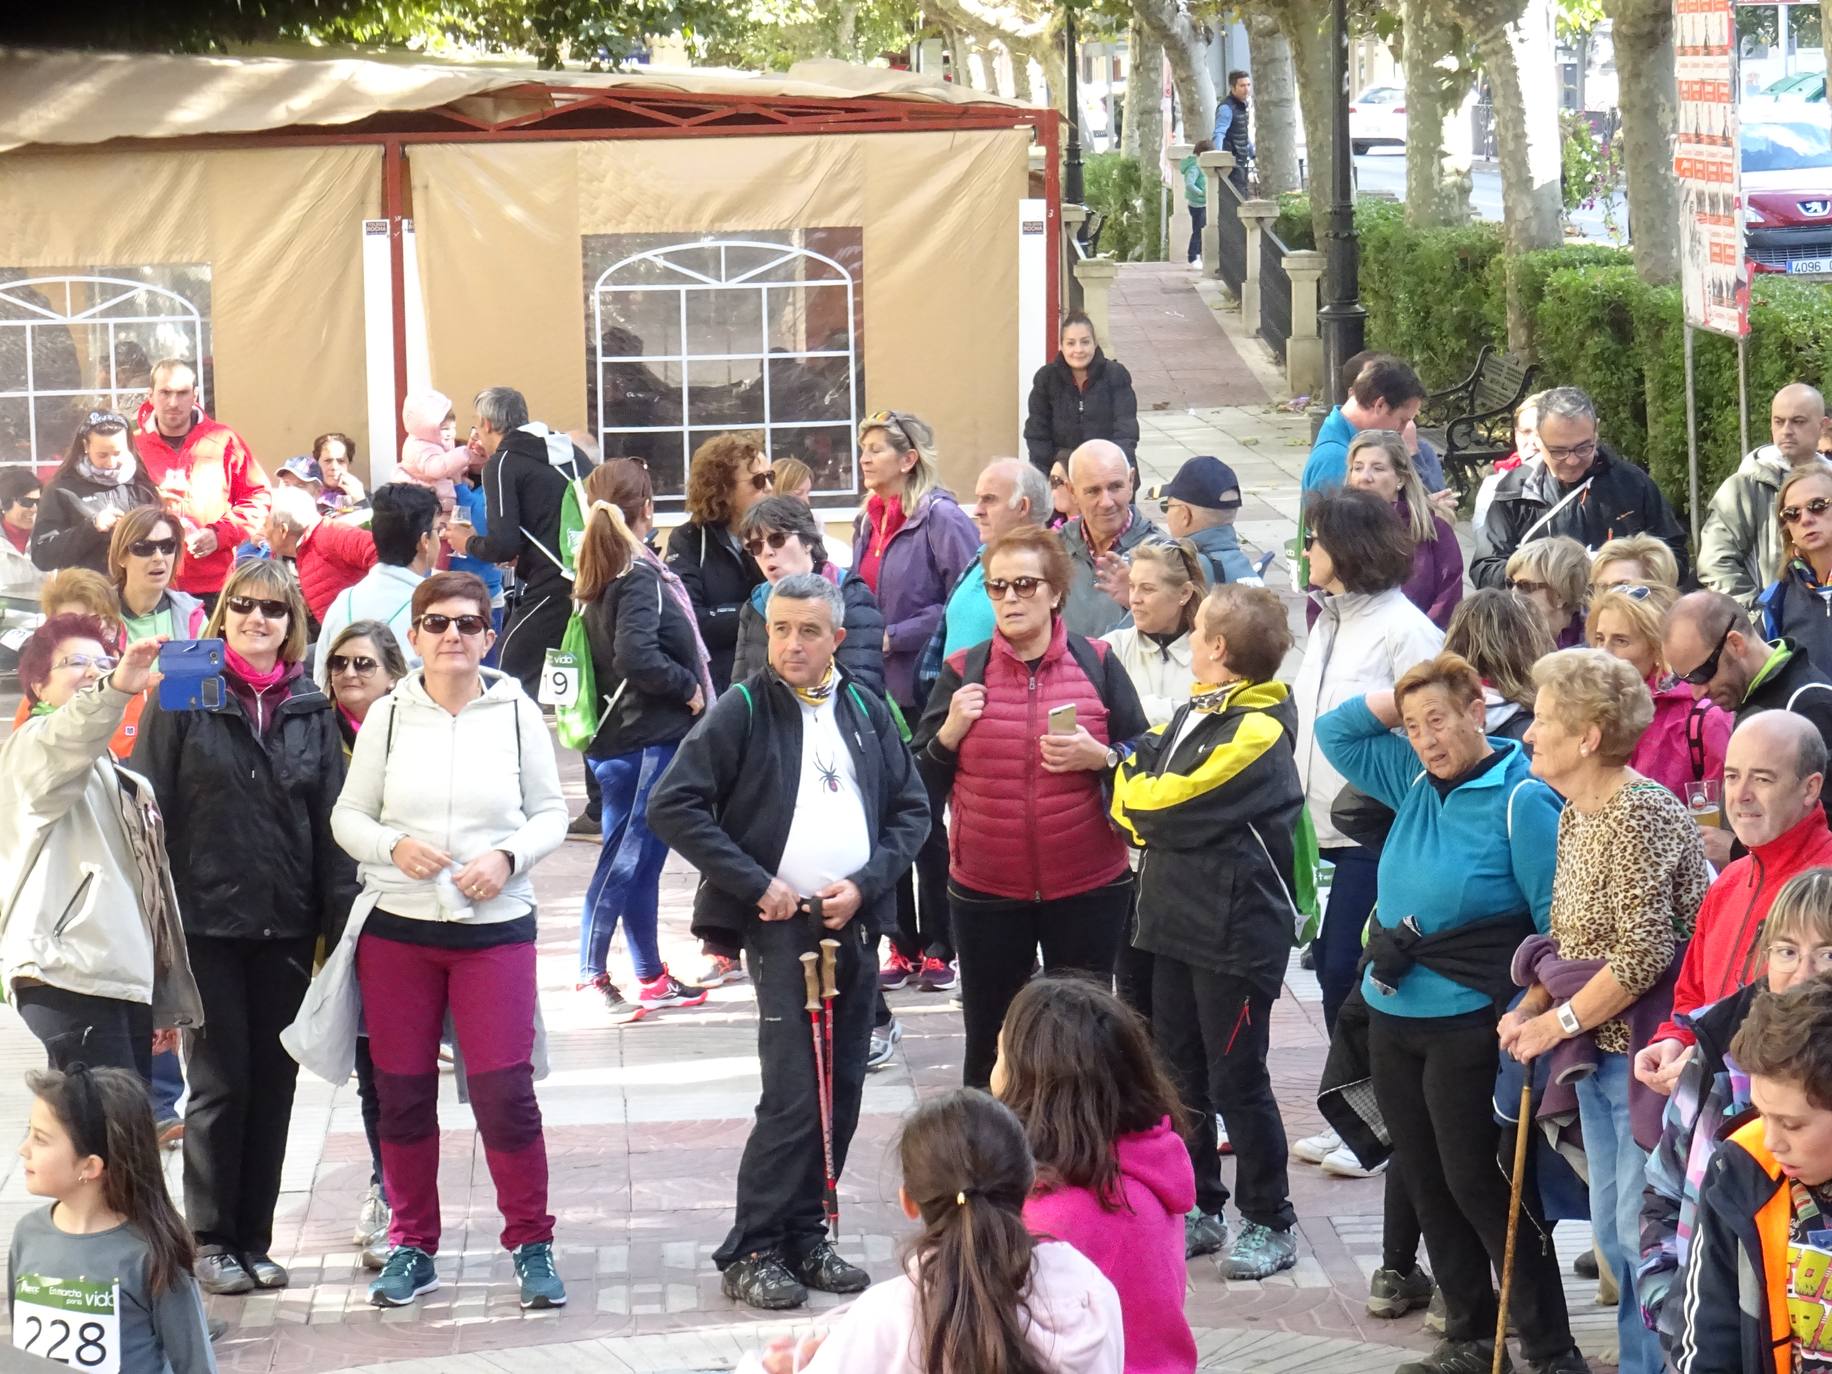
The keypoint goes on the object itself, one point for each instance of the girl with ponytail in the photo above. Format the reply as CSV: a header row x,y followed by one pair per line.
x,y
979,1294
650,669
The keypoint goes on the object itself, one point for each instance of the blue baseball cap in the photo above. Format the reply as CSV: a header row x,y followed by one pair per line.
x,y
1206,482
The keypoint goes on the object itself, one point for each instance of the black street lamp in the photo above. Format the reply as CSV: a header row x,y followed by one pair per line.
x,y
1342,319
1072,188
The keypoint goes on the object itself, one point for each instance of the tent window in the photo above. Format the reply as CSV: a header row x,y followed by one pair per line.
x,y
755,331
84,340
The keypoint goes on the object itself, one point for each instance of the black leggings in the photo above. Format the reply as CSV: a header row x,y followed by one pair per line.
x,y
77,1028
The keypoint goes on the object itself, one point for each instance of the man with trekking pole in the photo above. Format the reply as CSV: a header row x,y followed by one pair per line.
x,y
798,802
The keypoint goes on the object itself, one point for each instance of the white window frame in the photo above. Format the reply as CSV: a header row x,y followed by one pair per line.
x,y
187,316
694,280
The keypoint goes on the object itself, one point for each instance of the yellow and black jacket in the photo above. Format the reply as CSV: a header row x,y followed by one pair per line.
x,y
1213,803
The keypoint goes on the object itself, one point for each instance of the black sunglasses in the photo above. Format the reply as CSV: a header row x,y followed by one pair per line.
x,y
439,624
1819,505
360,665
1707,670
885,418
1025,587
760,481
146,548
27,502
248,605
775,539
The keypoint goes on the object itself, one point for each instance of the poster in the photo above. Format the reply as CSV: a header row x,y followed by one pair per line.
x,y
1713,278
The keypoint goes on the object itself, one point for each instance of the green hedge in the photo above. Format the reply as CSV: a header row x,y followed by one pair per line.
x,y
1436,296
1117,187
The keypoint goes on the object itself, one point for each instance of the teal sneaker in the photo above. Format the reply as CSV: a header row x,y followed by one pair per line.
x,y
1260,1252
408,1273
1203,1234
541,1286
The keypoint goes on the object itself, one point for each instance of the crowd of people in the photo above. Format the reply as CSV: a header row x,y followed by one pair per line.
x,y
1045,753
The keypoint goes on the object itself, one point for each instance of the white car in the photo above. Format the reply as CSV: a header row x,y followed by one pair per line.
x,y
1378,117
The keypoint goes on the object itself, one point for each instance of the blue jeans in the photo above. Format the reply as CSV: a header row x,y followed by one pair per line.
x,y
1618,1173
168,1085
627,881
1337,949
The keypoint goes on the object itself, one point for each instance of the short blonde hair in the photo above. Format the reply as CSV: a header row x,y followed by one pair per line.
x,y
1461,682
1591,688
87,588
1645,609
790,474
1560,562
270,581
1803,907
1651,553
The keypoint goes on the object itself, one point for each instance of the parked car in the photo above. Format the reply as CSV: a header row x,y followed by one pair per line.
x,y
1787,189
1378,117
1799,86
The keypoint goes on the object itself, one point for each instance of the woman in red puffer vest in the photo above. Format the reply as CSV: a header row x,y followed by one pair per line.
x,y
1033,860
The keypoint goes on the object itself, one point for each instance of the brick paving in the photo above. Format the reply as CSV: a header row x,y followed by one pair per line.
x,y
645,1123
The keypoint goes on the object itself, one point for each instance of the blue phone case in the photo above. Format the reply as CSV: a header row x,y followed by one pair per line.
x,y
193,674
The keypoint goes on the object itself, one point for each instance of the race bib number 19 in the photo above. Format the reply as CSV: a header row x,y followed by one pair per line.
x,y
559,680
76,1322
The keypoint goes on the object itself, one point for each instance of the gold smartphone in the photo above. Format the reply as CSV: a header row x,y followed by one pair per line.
x,y
1062,719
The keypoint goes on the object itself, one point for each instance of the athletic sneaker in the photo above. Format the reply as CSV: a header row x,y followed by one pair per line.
x,y
1203,1234
408,1273
897,971
720,970
1313,1149
1458,1357
937,974
823,1268
763,1281
1342,1162
1393,1294
1437,1316
371,1217
883,1044
621,1009
665,990
541,1286
1571,1362
1260,1252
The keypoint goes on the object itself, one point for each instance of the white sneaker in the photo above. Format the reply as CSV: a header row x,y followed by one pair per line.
x,y
1313,1149
1342,1163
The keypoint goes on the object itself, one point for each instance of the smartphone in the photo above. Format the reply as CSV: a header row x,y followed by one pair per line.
x,y
191,674
1062,719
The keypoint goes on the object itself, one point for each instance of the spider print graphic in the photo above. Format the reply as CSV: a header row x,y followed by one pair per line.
x,y
830,772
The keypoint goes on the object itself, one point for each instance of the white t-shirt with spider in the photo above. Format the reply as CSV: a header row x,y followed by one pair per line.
x,y
828,839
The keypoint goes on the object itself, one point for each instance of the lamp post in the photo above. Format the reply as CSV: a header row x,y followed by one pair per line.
x,y
1342,318
1072,188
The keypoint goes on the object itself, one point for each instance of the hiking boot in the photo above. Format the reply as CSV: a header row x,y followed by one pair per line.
x,y
1314,1149
883,1044
408,1273
763,1281
221,1273
621,1010
937,974
823,1268
1393,1294
1571,1362
1458,1357
587,827
1260,1252
1342,1162
665,990
541,1286
720,969
897,971
1203,1234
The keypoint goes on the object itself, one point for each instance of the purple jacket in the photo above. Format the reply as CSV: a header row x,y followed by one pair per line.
x,y
921,564
1436,584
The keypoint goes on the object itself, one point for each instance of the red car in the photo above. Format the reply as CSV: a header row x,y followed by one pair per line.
x,y
1787,189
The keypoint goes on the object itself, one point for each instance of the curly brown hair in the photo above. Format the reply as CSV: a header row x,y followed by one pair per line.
x,y
717,465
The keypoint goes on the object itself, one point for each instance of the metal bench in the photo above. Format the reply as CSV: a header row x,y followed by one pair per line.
x,y
1472,423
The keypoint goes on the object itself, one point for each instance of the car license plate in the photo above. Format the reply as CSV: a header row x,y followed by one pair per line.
x,y
1810,265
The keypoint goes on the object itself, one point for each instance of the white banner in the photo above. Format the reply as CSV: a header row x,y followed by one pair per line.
x,y
1713,277
1036,331
378,348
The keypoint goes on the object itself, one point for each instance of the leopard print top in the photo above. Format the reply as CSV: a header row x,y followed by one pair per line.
x,y
1627,888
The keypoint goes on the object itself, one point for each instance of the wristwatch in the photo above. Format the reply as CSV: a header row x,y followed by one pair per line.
x,y
1568,1020
1113,757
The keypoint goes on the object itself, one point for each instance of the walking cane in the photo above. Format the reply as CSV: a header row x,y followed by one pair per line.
x,y
830,950
811,982
1523,1125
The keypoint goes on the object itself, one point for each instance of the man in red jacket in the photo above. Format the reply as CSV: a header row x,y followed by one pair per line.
x,y
328,556
1773,771
205,474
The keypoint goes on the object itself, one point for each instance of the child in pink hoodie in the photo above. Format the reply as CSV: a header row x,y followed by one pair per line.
x,y
430,456
1114,1180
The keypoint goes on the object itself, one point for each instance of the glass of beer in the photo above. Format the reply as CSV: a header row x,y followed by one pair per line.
x,y
1705,802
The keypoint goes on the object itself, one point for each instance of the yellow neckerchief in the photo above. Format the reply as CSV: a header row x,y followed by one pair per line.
x,y
815,695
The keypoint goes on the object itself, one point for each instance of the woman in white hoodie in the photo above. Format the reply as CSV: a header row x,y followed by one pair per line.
x,y
452,797
1166,586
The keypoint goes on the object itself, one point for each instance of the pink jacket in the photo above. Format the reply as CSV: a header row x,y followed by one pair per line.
x,y
1137,1244
1665,751
425,460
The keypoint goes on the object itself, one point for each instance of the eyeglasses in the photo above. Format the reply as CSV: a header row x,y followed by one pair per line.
x,y
1526,587
754,546
885,418
1819,505
248,605
343,663
1707,670
100,662
1025,587
146,548
468,625
760,481
1587,449
1785,956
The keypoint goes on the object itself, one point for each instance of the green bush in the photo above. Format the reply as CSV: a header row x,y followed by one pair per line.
x,y
1117,187
1293,227
1429,293
1585,334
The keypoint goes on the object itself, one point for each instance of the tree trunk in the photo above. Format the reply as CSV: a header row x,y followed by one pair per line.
x,y
1431,95
846,32
1020,73
1306,29
1138,60
1650,112
956,50
1186,43
1275,105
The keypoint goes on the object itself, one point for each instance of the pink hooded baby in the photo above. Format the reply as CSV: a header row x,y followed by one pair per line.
x,y
429,456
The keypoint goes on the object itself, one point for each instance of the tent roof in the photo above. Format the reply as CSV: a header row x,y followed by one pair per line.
x,y
82,97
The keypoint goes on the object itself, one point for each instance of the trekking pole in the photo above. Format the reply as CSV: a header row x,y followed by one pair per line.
x,y
1523,1124
811,983
830,950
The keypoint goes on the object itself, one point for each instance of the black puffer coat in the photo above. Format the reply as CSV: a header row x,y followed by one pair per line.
x,y
718,576
65,535
861,656
1063,416
643,653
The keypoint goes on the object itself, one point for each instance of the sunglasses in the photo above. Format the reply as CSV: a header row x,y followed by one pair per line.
x,y
248,605
343,663
760,481
1025,587
100,662
1058,483
1707,670
754,546
1526,586
1310,539
885,418
468,625
1819,505
27,502
146,548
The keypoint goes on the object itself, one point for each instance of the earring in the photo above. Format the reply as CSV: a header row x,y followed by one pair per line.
x,y
1584,750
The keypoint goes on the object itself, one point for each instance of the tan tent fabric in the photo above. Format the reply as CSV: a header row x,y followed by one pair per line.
x,y
281,231
499,229
72,98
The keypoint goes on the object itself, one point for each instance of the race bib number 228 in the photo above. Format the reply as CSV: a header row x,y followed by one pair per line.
x,y
76,1322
